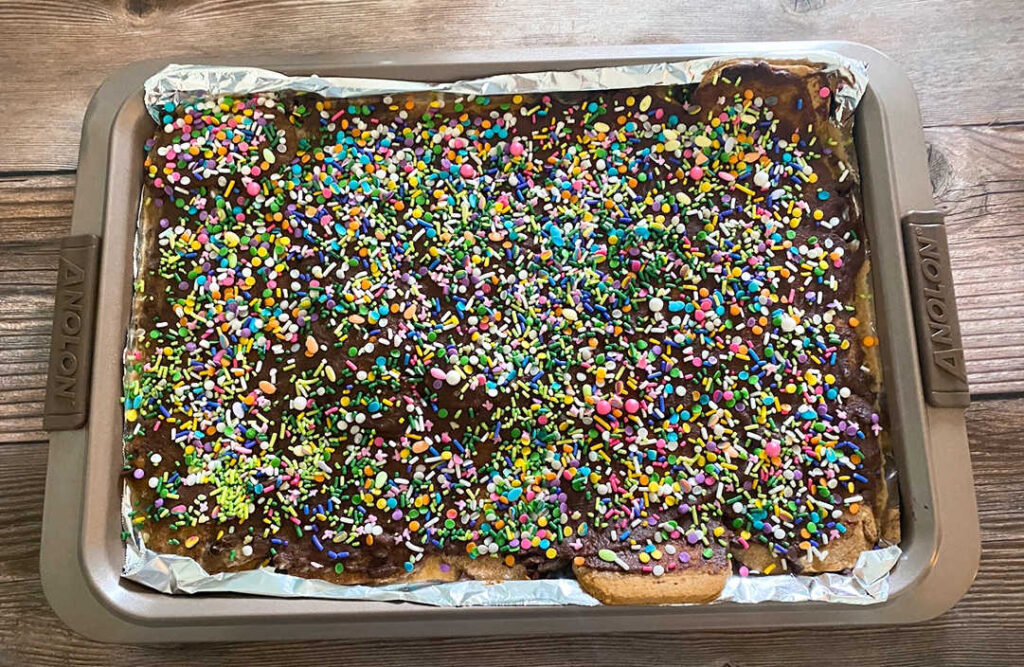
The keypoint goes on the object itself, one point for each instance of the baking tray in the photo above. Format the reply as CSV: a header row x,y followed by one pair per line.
x,y
925,383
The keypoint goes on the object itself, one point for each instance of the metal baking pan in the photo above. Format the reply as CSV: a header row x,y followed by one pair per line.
x,y
925,384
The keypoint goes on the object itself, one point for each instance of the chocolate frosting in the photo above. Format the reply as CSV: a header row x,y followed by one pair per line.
x,y
468,270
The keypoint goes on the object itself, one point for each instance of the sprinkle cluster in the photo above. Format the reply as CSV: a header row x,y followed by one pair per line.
x,y
520,326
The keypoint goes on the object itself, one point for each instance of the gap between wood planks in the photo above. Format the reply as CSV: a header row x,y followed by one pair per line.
x,y
984,628
955,53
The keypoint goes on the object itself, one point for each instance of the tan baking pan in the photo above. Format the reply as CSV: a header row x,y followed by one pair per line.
x,y
926,390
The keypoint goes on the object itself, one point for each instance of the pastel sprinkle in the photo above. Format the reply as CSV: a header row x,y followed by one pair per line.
x,y
505,328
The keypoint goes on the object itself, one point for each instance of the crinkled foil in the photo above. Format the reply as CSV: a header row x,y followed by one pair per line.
x,y
180,83
867,583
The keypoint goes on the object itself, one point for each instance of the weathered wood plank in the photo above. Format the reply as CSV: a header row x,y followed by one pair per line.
x,y
978,179
57,53
985,628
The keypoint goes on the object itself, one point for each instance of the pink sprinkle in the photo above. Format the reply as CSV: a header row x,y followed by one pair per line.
x,y
253,188
824,92
632,405
696,173
466,170
603,407
726,176
437,373
773,449
515,148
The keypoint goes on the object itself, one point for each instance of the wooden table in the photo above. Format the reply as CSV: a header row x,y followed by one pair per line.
x,y
964,59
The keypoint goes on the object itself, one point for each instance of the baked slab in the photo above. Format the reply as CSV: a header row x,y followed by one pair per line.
x,y
622,334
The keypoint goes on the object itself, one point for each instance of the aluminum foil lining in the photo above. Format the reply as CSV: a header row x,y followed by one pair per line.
x,y
180,83
866,583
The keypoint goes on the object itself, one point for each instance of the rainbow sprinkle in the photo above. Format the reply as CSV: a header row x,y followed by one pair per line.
x,y
573,328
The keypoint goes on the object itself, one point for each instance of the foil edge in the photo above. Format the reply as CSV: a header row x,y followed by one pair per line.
x,y
866,584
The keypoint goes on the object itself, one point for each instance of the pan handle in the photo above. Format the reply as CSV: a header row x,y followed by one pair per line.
x,y
941,351
67,385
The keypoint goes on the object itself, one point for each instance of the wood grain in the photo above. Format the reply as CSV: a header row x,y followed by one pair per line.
x,y
57,53
962,57
978,179
986,627
35,212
